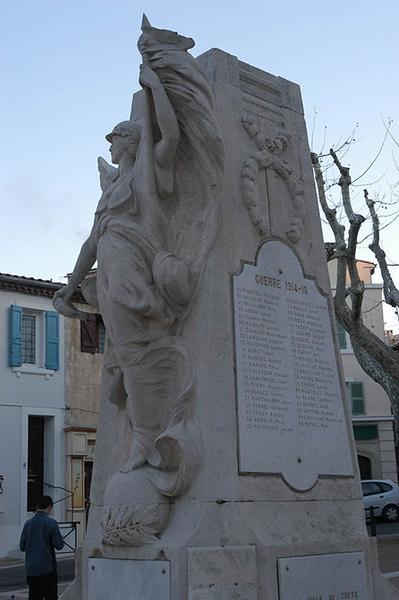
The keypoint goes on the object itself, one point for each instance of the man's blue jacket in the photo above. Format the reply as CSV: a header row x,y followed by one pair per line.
x,y
39,537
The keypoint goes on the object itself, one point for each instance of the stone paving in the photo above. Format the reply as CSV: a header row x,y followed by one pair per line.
x,y
23,593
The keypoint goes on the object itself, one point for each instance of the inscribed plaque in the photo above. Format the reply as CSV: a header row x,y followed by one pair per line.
x,y
111,579
222,573
290,406
323,577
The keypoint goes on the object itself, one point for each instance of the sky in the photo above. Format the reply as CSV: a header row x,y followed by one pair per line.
x,y
69,69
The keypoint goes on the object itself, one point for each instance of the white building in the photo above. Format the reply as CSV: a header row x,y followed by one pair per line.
x,y
372,417
32,404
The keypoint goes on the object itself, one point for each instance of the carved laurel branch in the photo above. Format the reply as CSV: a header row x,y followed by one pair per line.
x,y
131,524
268,156
255,163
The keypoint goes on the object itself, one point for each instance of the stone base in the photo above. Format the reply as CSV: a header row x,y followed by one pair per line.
x,y
222,573
121,579
236,550
232,572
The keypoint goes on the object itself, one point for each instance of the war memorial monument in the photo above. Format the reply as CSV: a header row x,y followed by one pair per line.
x,y
225,466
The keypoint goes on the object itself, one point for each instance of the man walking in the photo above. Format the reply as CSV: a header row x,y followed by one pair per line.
x,y
40,536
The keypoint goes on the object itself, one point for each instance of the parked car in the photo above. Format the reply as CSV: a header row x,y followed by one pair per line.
x,y
383,496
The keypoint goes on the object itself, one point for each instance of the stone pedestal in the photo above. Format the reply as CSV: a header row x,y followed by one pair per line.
x,y
277,481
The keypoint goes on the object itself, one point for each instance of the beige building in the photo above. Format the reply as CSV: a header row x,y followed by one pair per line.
x,y
371,408
84,348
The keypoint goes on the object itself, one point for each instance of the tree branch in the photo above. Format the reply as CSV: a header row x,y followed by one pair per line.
x,y
356,289
377,359
337,228
379,373
391,293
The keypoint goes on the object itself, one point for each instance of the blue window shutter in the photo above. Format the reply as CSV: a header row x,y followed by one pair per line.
x,y
357,397
52,341
15,336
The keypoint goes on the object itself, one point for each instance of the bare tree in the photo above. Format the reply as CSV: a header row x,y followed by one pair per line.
x,y
375,357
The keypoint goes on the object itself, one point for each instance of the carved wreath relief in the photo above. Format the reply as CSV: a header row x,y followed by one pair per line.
x,y
270,156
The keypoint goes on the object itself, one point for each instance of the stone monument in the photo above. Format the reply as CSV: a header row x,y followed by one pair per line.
x,y
224,465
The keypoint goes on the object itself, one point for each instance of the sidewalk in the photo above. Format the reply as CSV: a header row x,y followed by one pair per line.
x,y
8,563
388,557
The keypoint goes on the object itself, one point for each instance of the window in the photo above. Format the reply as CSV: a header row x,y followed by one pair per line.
x,y
385,487
370,487
33,338
101,336
356,395
365,432
342,337
28,339
92,334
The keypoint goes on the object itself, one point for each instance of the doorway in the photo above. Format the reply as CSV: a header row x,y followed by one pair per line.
x,y
35,460
88,476
364,466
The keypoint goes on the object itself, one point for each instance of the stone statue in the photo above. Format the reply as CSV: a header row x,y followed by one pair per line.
x,y
153,228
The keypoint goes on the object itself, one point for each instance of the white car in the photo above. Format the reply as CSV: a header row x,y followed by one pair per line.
x,y
383,496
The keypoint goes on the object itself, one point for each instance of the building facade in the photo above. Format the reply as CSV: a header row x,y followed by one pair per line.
x,y
32,403
50,371
372,419
84,348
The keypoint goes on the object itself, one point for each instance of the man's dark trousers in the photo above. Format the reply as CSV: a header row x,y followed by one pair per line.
x,y
43,587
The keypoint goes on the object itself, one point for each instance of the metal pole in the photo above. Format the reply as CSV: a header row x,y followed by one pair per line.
x,y
373,529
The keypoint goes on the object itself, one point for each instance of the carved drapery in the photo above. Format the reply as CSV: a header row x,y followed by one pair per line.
x,y
168,243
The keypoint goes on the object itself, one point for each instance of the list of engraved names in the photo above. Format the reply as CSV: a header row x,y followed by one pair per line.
x,y
282,338
289,403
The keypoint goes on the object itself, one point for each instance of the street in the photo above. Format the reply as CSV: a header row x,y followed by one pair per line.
x,y
385,528
12,578
22,593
